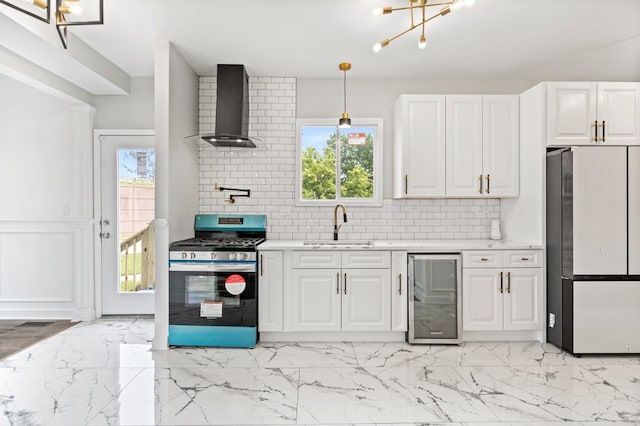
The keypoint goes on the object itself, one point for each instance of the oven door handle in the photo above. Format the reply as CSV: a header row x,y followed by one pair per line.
x,y
213,267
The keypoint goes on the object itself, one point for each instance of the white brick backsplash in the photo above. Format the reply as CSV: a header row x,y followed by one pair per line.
x,y
270,175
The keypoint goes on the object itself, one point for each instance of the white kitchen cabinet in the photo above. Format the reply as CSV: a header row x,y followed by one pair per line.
x,y
399,301
482,146
355,296
508,297
589,113
315,300
270,291
419,146
366,300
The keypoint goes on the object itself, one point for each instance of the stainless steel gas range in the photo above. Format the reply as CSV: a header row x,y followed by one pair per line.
x,y
213,291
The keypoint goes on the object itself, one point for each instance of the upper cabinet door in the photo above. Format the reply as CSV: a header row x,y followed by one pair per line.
x,y
419,138
464,146
571,113
500,146
619,113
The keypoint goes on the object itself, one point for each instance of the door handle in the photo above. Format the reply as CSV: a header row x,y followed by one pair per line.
x,y
345,283
337,282
488,182
400,284
501,287
480,180
105,235
508,282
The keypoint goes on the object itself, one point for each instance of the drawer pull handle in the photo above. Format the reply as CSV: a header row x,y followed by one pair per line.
x,y
484,259
400,284
501,287
525,258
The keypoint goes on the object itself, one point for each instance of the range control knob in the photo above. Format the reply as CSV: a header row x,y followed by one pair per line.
x,y
184,255
242,256
232,256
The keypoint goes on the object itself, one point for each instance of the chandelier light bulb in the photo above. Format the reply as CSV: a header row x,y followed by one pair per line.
x,y
377,11
422,43
377,47
457,5
75,9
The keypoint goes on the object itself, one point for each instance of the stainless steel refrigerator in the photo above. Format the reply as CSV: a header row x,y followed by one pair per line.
x,y
593,249
434,298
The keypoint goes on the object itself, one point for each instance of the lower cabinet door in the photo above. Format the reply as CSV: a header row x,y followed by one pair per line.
x,y
366,300
399,291
522,299
482,299
270,289
315,298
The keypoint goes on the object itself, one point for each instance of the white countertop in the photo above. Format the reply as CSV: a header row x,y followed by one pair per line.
x,y
410,245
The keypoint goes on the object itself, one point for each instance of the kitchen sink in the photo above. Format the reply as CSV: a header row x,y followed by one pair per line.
x,y
344,243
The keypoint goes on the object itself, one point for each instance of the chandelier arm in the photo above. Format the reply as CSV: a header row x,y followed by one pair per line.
x,y
446,3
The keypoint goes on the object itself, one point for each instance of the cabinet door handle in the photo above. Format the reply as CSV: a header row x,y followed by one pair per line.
x,y
595,139
480,180
488,182
345,283
508,282
400,284
337,282
501,287
261,266
603,138
406,184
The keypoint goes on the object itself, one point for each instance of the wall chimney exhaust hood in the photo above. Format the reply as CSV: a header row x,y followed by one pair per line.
x,y
232,109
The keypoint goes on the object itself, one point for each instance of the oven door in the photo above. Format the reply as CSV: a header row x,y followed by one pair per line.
x,y
213,294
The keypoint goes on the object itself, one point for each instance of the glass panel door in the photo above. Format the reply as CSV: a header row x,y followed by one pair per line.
x,y
434,298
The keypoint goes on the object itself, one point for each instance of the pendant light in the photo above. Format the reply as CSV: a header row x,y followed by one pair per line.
x,y
345,121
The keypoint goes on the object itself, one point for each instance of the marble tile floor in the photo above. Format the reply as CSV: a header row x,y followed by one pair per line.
x,y
104,373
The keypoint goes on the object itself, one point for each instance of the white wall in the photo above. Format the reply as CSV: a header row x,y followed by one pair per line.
x,y
275,103
46,258
133,111
176,116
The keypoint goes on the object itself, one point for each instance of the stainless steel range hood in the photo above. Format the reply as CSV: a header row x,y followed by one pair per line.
x,y
232,109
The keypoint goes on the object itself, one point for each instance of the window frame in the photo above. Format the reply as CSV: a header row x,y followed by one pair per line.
x,y
378,141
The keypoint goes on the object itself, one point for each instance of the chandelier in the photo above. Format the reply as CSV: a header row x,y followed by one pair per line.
x,y
419,8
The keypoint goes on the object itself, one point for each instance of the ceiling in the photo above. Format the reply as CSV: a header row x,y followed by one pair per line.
x,y
493,40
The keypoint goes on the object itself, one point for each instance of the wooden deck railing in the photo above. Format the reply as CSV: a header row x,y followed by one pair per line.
x,y
145,241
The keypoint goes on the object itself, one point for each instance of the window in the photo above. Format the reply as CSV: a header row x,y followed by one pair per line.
x,y
339,165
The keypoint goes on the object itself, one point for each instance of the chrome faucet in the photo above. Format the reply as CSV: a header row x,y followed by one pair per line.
x,y
336,228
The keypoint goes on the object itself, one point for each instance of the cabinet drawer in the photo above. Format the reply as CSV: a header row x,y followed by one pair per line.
x,y
366,259
482,259
522,259
315,259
